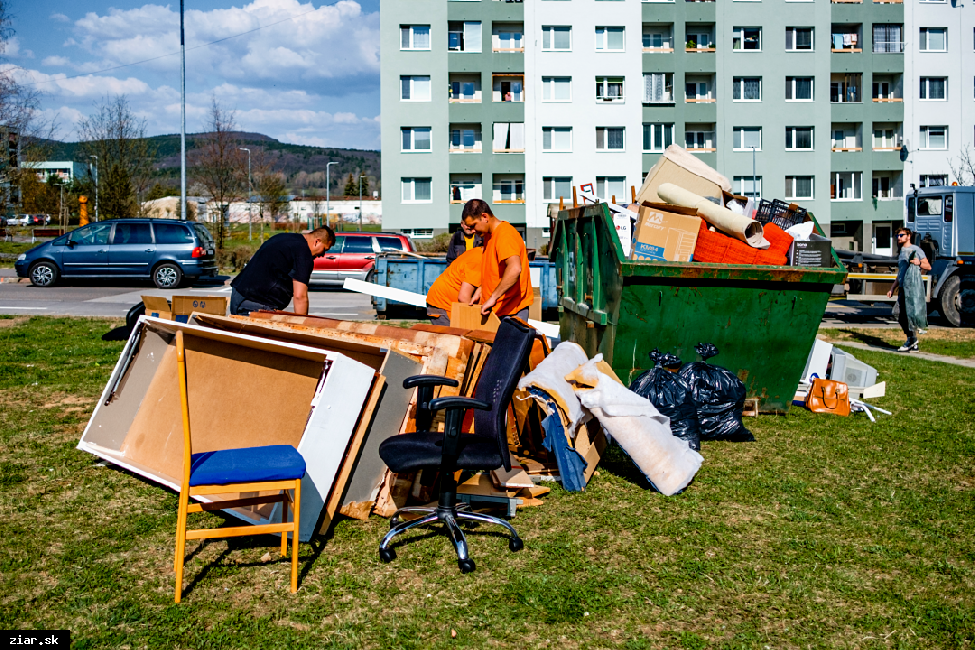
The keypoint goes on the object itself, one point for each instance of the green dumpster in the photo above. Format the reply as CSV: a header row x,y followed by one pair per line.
x,y
763,319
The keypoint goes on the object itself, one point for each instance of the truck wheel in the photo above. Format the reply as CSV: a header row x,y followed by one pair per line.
x,y
167,276
957,301
44,274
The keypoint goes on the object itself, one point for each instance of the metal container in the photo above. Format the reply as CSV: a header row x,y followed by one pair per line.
x,y
763,319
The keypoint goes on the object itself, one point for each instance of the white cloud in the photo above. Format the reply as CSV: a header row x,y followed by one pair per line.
x,y
56,60
60,18
12,50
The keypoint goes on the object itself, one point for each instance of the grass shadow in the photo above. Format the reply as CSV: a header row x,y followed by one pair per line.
x,y
867,339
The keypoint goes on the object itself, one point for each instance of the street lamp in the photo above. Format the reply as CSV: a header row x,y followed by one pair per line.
x,y
360,202
250,192
96,186
327,192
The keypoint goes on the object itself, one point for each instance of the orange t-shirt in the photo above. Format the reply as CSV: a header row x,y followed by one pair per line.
x,y
505,242
446,288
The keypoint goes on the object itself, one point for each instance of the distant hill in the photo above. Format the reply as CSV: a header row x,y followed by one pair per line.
x,y
303,166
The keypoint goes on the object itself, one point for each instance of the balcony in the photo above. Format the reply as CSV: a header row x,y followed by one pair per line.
x,y
846,88
658,38
847,137
508,37
846,39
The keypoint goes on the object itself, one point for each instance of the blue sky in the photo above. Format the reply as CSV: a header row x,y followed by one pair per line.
x,y
308,75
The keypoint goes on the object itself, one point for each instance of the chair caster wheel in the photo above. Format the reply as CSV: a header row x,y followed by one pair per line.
x,y
387,555
515,544
466,566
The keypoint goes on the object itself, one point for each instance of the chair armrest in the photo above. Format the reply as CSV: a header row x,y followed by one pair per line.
x,y
444,403
455,408
429,380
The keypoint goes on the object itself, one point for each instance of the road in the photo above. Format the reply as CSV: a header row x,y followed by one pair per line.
x,y
116,297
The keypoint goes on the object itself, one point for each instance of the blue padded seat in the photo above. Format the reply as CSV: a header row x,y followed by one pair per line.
x,y
247,465
410,452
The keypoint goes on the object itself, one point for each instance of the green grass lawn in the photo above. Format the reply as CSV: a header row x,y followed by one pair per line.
x,y
953,342
827,532
13,248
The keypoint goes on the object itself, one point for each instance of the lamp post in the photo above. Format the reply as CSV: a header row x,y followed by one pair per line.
x,y
754,190
360,202
327,192
182,117
96,185
250,192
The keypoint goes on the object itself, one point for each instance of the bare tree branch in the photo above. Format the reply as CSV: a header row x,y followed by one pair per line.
x,y
964,168
219,166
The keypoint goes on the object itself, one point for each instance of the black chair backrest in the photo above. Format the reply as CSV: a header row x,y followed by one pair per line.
x,y
499,376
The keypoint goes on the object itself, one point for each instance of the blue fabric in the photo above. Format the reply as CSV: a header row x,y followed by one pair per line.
x,y
247,465
572,466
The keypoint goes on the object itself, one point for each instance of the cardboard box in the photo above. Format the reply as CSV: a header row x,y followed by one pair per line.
x,y
183,306
811,253
666,233
624,230
681,168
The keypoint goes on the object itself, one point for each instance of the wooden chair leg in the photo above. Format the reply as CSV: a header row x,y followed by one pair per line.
x,y
180,542
296,510
284,520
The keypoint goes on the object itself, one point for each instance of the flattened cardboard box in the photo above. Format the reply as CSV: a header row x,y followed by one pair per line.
x,y
183,306
666,233
243,391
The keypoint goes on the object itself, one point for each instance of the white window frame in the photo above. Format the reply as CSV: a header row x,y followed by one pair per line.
x,y
706,137
741,139
549,86
605,131
410,182
412,39
512,136
504,29
793,130
473,182
923,39
549,192
477,96
551,29
706,97
605,192
738,186
413,78
741,80
655,145
790,188
924,180
412,131
417,233
790,86
551,131
925,140
603,82
497,190
883,140
469,43
795,33
602,38
477,147
666,39
857,184
923,86
667,81
738,33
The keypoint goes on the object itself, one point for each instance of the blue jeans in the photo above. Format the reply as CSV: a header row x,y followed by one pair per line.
x,y
241,306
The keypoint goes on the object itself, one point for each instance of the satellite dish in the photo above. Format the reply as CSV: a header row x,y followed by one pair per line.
x,y
904,153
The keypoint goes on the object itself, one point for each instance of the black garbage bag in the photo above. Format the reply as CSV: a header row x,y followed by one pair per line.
x,y
718,396
672,397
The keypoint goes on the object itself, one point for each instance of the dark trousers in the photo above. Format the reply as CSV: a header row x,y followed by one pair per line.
x,y
902,316
438,316
241,306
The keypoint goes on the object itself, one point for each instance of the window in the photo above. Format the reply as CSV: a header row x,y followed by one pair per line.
x,y
508,38
609,138
609,186
933,180
465,138
132,233
748,186
846,186
171,233
933,88
746,38
658,88
799,39
557,138
658,39
747,89
417,190
556,38
747,138
508,190
887,39
464,188
609,39
934,137
697,90
885,139
799,187
882,90
465,88
933,39
416,139
556,89
555,187
414,37
845,88
799,89
609,89
415,88
699,140
509,137
418,233
845,138
357,245
391,244
508,88
799,138
883,187
657,137
95,234
464,36
699,40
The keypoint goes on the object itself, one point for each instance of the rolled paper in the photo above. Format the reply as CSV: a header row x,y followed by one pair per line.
x,y
736,225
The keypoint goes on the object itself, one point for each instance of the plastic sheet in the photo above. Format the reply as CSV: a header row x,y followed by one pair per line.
x,y
916,306
719,397
671,395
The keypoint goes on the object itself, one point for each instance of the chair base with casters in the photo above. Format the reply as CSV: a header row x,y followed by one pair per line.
x,y
271,468
448,451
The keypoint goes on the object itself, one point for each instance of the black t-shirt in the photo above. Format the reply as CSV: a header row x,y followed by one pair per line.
x,y
267,277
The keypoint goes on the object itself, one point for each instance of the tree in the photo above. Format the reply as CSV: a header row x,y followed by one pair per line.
x,y
964,169
271,195
351,187
219,166
125,157
159,191
365,186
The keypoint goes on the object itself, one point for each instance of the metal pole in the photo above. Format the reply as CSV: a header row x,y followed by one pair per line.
x,y
250,192
360,202
96,185
327,191
754,191
182,122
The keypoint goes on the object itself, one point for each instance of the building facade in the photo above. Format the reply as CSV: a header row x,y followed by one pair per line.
x,y
802,100
65,170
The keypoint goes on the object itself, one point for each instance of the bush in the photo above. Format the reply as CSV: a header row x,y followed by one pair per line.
x,y
438,244
234,258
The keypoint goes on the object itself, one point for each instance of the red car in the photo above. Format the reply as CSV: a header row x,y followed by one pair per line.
x,y
354,255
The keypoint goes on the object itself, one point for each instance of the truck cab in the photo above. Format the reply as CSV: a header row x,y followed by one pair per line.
x,y
943,220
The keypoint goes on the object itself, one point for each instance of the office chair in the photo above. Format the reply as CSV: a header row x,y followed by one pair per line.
x,y
250,469
451,450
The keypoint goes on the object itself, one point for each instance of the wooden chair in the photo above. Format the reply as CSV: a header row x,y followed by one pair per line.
x,y
251,469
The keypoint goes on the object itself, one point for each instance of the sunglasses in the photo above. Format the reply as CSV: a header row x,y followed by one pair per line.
x,y
899,235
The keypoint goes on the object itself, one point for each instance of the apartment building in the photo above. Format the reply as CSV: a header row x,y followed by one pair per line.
x,y
795,99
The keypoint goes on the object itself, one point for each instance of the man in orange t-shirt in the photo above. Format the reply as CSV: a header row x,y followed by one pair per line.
x,y
506,287
456,284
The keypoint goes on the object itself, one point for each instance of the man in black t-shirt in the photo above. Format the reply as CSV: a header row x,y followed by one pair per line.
x,y
279,271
